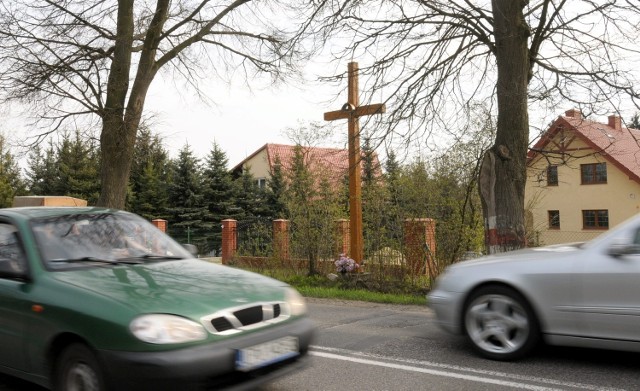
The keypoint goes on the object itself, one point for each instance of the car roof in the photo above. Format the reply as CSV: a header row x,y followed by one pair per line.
x,y
35,212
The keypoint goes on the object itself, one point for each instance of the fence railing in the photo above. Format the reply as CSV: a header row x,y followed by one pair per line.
x,y
254,243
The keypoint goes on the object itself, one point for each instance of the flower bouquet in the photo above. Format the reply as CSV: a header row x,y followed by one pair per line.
x,y
345,264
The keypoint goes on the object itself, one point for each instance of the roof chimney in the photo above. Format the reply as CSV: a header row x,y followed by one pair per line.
x,y
615,122
573,113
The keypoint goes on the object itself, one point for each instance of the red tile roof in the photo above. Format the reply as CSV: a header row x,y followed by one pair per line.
x,y
332,161
619,145
336,161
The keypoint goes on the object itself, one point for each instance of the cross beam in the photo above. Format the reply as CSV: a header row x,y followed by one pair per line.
x,y
352,112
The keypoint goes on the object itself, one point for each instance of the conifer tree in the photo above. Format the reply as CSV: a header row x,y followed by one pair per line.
x,y
11,182
301,187
369,168
42,171
311,201
300,196
255,225
78,168
220,196
149,180
375,200
394,217
186,200
220,191
150,201
635,121
392,168
250,198
276,188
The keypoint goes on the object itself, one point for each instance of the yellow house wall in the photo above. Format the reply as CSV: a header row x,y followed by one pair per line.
x,y
259,165
620,196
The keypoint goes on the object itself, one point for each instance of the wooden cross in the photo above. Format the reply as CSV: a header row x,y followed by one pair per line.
x,y
352,111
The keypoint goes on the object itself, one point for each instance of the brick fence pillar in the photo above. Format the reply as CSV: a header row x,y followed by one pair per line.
x,y
281,239
229,240
343,243
160,224
420,244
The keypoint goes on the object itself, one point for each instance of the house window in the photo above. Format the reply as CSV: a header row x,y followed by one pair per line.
x,y
262,183
593,173
554,219
552,176
595,219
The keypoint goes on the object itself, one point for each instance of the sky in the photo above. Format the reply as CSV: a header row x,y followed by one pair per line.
x,y
240,121
238,118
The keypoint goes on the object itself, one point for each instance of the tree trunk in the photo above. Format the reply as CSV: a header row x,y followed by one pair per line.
x,y
503,173
117,142
120,123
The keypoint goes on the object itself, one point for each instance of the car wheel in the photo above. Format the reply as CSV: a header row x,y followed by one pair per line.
x,y
78,370
500,323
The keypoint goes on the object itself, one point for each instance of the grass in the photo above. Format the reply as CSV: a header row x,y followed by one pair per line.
x,y
391,292
361,295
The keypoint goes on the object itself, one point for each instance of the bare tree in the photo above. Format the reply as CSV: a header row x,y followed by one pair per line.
x,y
433,58
68,59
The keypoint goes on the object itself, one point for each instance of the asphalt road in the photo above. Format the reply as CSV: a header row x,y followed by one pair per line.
x,y
364,346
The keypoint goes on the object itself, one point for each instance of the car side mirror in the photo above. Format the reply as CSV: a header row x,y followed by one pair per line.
x,y
191,248
618,250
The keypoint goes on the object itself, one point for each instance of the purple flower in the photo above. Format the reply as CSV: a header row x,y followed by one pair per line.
x,y
345,264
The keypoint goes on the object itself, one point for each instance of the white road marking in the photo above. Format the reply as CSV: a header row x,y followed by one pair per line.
x,y
446,370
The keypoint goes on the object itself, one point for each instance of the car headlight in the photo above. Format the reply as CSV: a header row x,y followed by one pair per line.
x,y
165,329
296,302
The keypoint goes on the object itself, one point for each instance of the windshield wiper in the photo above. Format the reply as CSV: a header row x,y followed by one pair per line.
x,y
95,260
147,257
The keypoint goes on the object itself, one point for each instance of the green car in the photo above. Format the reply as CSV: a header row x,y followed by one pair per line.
x,y
100,299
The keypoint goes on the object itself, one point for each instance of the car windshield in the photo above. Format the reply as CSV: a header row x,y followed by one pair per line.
x,y
100,239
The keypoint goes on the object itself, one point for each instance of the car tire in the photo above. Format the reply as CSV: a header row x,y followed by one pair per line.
x,y
78,369
500,323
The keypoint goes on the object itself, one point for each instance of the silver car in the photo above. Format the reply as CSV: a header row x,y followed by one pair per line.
x,y
585,295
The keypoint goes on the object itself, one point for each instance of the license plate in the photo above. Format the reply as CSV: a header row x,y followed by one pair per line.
x,y
266,353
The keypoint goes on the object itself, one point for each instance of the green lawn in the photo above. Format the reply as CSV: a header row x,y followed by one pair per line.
x,y
390,292
360,294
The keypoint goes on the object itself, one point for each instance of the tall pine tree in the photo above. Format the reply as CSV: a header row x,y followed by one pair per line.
x,y
42,171
369,163
186,200
251,199
394,217
276,188
78,168
302,195
374,205
150,179
220,196
635,121
11,182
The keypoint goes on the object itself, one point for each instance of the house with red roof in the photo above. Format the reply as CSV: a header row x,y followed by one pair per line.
x,y
583,178
329,163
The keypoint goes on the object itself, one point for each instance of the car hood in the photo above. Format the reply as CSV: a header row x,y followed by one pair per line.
x,y
190,288
535,254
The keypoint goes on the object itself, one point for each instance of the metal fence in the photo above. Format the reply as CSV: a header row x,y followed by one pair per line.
x,y
549,237
255,237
